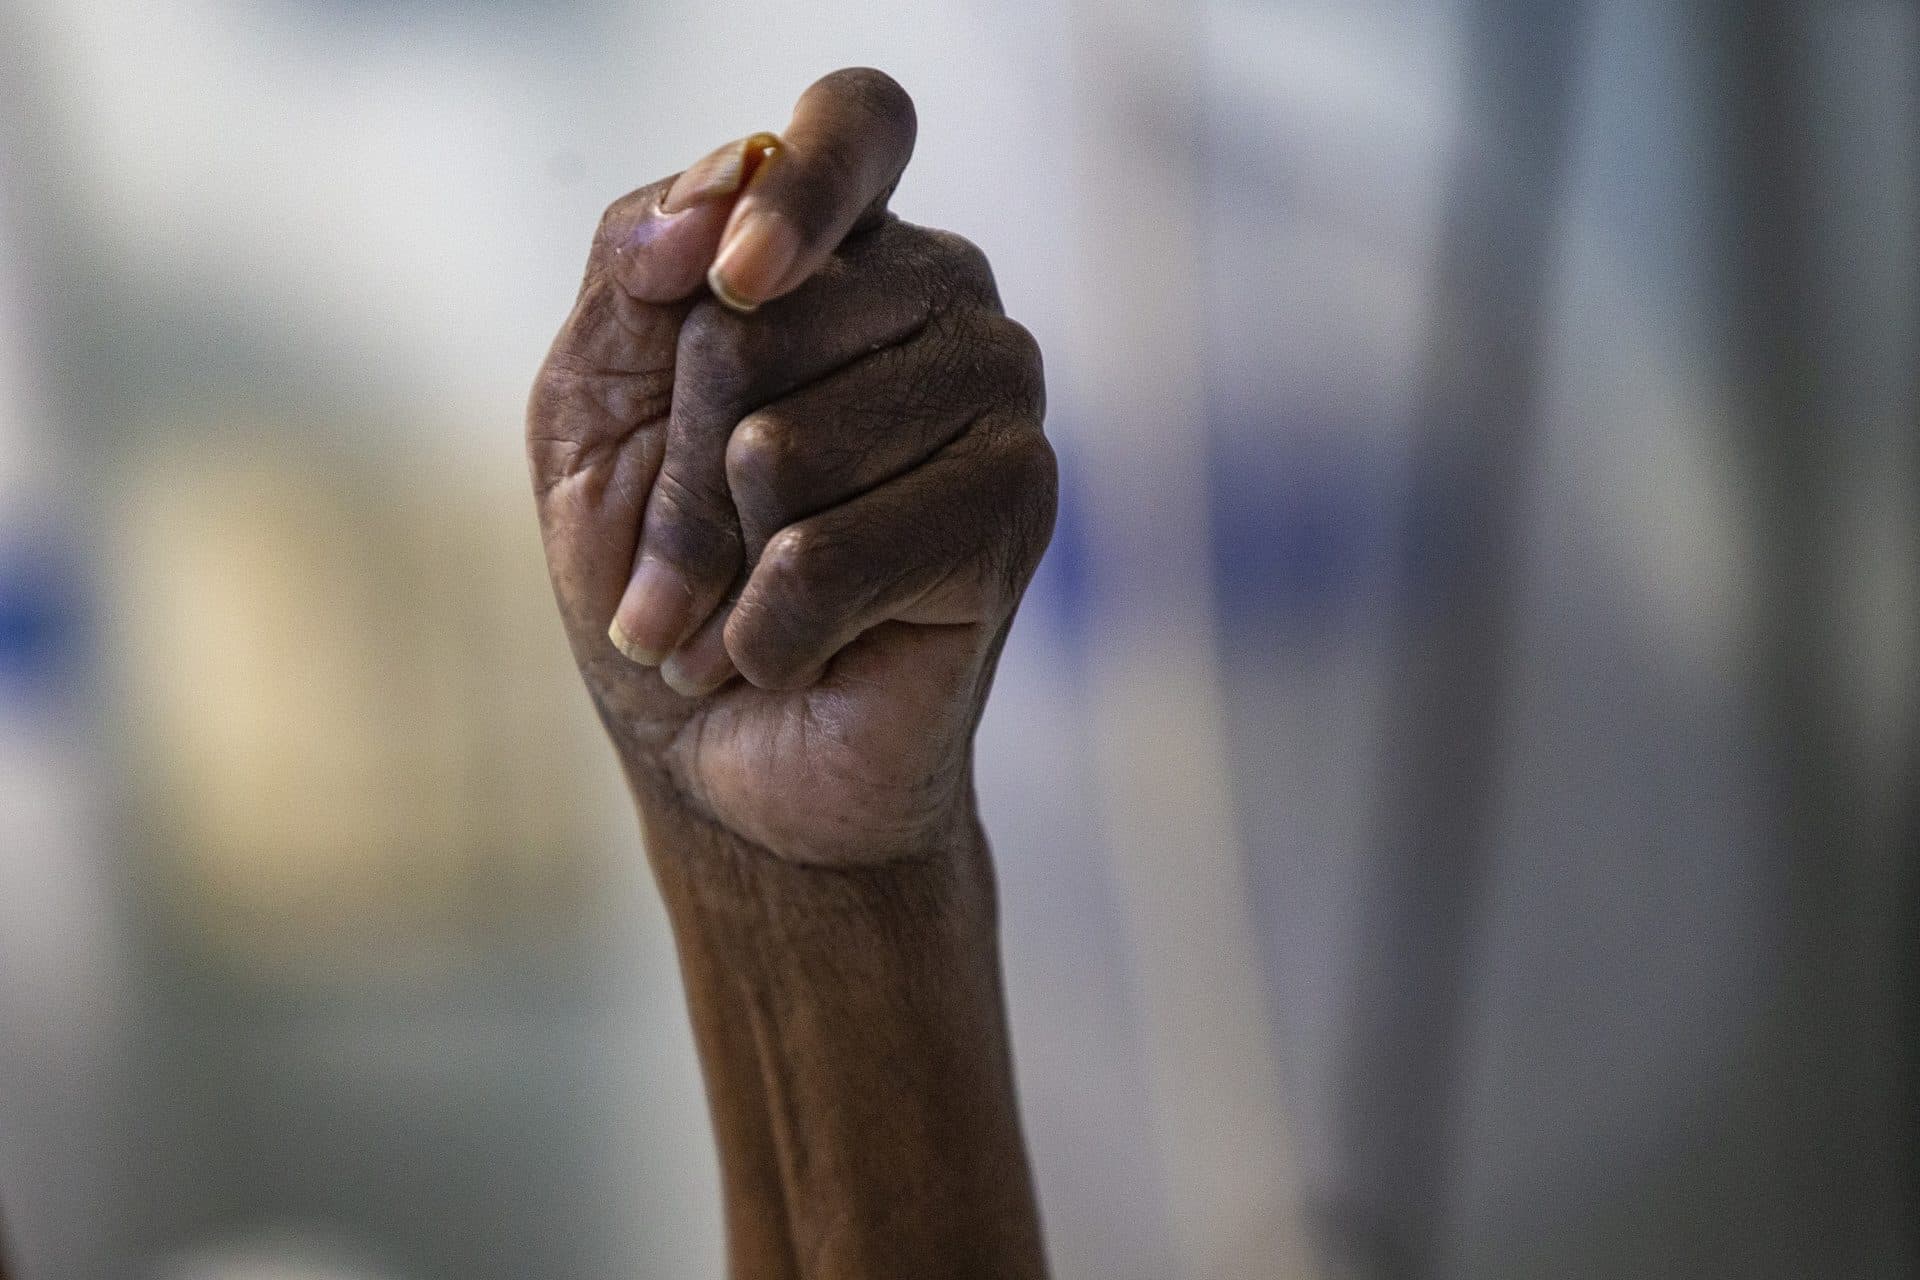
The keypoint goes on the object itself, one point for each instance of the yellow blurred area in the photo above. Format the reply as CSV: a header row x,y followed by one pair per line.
x,y
357,744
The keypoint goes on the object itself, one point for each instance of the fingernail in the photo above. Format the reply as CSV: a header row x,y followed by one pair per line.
x,y
702,664
684,677
653,613
628,649
756,257
719,173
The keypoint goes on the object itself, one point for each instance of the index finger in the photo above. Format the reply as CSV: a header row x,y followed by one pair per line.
x,y
841,156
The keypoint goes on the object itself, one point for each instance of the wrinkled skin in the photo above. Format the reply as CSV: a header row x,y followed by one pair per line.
x,y
850,484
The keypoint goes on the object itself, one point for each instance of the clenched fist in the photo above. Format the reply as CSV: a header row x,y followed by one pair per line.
x,y
792,483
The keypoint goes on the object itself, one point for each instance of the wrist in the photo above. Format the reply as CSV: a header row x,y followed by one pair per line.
x,y
828,824
712,876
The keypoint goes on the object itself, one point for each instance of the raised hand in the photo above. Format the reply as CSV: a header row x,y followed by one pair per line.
x,y
792,483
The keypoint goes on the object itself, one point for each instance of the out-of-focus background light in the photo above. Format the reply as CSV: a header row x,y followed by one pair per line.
x,y
1449,780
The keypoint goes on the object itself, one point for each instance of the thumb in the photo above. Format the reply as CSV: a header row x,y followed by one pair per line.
x,y
657,243
850,138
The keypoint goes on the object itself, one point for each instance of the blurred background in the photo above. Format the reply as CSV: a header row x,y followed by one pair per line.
x,y
1454,779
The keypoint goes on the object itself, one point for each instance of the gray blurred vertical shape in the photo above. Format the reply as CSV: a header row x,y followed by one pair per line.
x,y
65,1019
1906,847
1907,989
1160,749
1471,447
1831,1047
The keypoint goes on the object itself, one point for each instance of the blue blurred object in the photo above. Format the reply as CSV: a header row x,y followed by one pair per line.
x,y
1061,585
43,617
1297,534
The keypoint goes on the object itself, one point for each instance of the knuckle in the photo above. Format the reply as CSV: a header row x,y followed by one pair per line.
x,y
617,218
1033,473
956,268
689,525
988,363
960,256
1000,362
756,449
789,561
1040,470
1022,348
1025,368
690,501
762,457
800,568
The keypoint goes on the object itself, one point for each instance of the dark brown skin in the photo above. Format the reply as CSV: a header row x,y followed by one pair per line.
x,y
787,544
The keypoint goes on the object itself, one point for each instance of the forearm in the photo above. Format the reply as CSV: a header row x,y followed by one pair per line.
x,y
852,1031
